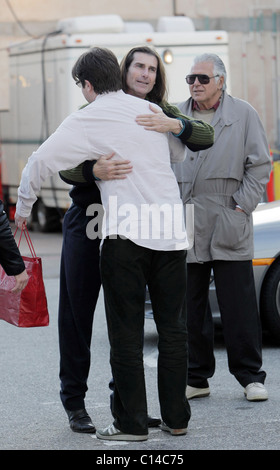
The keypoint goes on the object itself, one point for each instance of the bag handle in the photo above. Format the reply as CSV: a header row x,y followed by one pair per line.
x,y
28,239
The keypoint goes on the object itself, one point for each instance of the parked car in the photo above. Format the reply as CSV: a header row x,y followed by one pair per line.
x,y
266,265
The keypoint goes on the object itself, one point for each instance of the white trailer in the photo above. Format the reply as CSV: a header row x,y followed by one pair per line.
x,y
43,93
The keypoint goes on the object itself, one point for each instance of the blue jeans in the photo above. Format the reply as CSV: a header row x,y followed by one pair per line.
x,y
126,269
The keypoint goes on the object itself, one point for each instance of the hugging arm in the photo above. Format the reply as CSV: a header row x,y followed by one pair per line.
x,y
105,168
194,134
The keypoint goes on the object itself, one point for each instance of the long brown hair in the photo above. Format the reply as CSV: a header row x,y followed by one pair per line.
x,y
159,91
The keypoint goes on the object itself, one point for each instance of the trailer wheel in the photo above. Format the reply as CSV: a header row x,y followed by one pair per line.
x,y
45,219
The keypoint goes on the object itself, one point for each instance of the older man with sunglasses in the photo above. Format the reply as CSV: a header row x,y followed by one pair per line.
x,y
225,183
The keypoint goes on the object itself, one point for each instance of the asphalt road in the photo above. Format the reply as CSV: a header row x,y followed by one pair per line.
x,y
32,418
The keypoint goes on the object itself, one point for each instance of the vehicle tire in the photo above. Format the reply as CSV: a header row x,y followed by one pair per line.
x,y
45,219
270,301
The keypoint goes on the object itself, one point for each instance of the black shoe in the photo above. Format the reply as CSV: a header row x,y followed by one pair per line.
x,y
80,421
153,422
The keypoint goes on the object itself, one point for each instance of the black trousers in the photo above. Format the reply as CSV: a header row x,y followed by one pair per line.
x,y
79,289
236,296
126,268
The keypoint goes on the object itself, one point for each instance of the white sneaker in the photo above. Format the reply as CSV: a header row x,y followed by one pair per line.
x,y
111,433
194,392
256,392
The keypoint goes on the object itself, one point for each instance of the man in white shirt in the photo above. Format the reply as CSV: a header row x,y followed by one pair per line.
x,y
144,240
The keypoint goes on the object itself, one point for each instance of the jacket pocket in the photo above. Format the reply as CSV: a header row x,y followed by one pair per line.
x,y
231,233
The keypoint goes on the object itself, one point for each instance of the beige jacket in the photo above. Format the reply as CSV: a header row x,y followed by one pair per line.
x,y
235,170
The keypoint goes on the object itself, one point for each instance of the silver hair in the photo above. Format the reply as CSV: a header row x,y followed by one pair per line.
x,y
218,65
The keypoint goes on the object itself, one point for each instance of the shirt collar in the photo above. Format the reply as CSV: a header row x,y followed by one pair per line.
x,y
195,105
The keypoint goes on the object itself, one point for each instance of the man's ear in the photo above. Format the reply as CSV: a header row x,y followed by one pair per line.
x,y
88,85
221,82
89,92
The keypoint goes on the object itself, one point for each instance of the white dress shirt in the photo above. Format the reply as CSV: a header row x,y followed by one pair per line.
x,y
146,205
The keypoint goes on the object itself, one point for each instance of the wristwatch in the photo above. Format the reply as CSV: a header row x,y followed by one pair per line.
x,y
181,124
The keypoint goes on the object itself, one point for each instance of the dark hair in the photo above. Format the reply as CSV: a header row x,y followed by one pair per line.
x,y
101,68
159,91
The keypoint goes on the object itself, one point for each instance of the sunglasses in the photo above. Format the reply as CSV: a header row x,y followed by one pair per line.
x,y
203,79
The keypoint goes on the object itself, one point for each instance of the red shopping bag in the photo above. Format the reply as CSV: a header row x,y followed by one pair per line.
x,y
27,308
